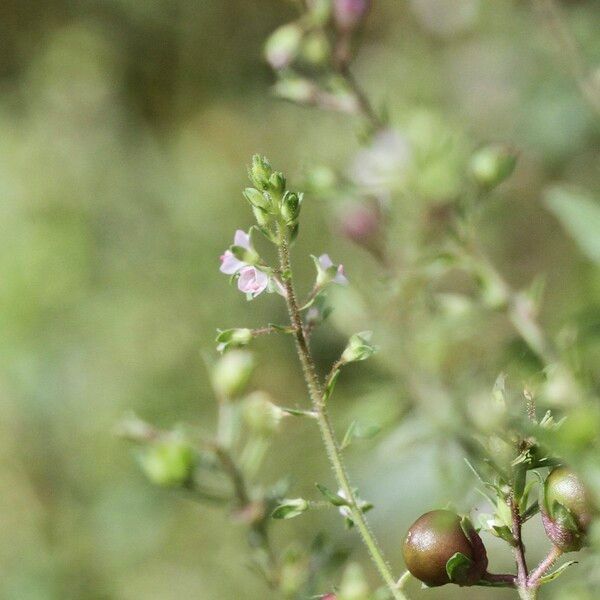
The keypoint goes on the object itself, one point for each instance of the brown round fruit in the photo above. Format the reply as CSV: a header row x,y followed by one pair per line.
x,y
433,539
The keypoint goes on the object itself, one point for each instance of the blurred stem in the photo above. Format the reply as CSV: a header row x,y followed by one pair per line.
x,y
570,52
364,104
327,432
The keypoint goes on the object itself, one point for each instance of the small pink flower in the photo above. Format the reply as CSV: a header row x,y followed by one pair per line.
x,y
229,263
340,276
252,281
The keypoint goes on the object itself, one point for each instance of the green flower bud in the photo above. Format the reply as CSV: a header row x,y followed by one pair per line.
x,y
567,509
290,508
441,548
263,218
260,172
231,373
290,207
233,338
359,347
257,199
261,415
277,183
316,49
491,165
283,45
296,89
169,462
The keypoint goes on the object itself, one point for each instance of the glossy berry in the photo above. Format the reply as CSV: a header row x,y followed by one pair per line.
x,y
564,490
435,538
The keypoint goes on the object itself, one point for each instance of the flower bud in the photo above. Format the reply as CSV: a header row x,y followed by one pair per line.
x,y
296,89
491,165
290,207
567,509
233,338
283,45
169,462
261,415
290,508
441,548
316,49
260,172
277,183
231,373
349,14
257,199
359,348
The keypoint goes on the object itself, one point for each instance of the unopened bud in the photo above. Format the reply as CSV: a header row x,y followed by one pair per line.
x,y
233,338
316,49
359,347
261,415
349,14
231,373
491,165
260,172
296,89
169,462
283,45
277,183
256,198
290,207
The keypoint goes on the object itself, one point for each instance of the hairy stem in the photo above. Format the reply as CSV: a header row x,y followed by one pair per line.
x,y
327,432
554,554
519,549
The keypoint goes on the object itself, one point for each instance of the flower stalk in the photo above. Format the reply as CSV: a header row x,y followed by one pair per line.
x,y
325,426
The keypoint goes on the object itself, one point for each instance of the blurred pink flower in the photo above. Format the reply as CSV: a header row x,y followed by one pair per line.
x,y
348,14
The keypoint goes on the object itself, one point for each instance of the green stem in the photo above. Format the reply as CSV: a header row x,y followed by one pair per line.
x,y
528,593
327,432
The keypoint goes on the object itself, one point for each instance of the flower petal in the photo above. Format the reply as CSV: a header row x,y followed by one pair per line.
x,y
230,264
340,277
241,238
325,261
252,281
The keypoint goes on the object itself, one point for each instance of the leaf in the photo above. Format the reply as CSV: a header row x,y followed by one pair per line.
x,y
458,566
331,385
359,432
335,499
580,216
557,572
296,412
290,508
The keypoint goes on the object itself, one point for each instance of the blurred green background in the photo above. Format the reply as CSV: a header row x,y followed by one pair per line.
x,y
125,128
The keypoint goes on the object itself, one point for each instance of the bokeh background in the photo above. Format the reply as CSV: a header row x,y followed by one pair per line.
x,y
125,128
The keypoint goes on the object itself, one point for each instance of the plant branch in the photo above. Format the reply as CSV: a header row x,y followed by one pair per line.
x,y
518,549
569,50
327,432
554,554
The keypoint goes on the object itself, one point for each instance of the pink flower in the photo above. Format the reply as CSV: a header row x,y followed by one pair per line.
x,y
326,264
348,14
252,281
229,263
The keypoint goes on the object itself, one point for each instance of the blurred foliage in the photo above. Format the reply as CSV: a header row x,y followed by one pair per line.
x,y
124,128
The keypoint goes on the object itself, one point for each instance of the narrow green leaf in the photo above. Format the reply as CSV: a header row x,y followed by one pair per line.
x,y
335,499
557,572
580,216
296,412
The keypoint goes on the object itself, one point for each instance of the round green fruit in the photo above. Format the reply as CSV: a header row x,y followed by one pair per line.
x,y
567,509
